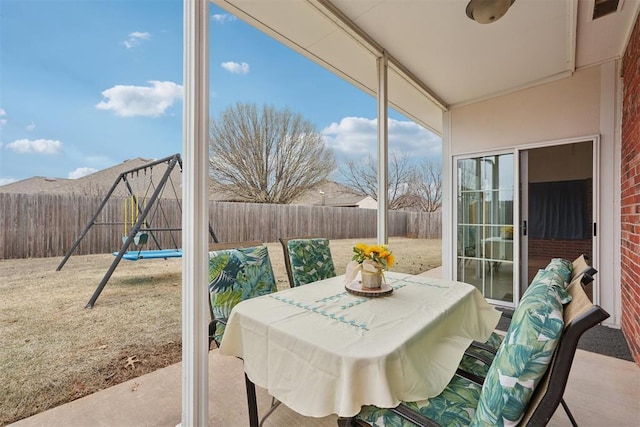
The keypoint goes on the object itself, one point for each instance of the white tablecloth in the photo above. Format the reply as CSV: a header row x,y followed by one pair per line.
x,y
321,350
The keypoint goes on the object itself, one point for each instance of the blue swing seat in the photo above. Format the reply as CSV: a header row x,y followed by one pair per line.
x,y
162,253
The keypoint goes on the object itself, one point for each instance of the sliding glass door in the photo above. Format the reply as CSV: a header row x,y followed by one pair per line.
x,y
485,225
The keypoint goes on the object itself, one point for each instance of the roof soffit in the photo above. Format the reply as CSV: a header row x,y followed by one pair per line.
x,y
459,60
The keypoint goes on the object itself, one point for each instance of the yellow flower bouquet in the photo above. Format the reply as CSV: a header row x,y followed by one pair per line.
x,y
370,261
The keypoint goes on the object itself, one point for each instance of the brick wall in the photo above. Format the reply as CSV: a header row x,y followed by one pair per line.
x,y
559,248
630,188
542,250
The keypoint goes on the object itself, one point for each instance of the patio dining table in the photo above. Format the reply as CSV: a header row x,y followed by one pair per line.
x,y
321,350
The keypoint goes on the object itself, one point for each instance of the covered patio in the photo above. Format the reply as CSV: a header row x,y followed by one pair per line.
x,y
544,75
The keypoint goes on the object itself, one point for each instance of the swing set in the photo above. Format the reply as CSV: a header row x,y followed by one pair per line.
x,y
133,206
142,209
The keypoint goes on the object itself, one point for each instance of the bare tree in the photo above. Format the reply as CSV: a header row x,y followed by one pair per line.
x,y
425,187
362,177
267,155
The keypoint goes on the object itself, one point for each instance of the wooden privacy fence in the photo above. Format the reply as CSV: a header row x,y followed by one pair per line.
x,y
46,225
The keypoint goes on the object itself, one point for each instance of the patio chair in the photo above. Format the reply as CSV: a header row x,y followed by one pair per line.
x,y
572,270
580,266
237,271
492,399
307,259
577,270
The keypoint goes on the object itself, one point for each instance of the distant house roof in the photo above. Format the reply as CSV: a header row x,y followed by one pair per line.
x,y
99,183
365,202
35,184
327,193
331,193
347,202
218,193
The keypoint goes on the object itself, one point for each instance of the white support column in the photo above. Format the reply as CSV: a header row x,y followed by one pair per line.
x,y
383,149
448,224
607,259
195,216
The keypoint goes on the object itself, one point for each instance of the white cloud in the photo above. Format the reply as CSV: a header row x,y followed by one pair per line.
x,y
80,172
40,146
236,68
128,101
30,127
353,135
136,38
3,113
5,181
356,137
223,18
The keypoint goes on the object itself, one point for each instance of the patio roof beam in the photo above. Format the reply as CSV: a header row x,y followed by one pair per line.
x,y
337,16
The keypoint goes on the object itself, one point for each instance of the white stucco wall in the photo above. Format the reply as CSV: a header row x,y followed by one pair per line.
x,y
563,109
574,108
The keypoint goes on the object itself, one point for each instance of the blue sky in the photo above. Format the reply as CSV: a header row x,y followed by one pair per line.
x,y
85,85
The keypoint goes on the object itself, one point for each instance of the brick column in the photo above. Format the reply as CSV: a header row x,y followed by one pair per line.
x,y
630,187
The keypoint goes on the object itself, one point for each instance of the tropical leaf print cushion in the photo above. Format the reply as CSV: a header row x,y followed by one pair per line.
x,y
548,278
455,406
473,365
236,275
525,353
561,266
310,260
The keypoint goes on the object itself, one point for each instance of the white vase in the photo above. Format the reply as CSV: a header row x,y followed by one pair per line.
x,y
371,279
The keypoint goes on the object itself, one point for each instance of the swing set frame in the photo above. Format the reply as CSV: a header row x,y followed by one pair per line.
x,y
141,224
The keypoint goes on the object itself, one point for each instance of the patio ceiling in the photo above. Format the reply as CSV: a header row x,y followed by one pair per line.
x,y
439,57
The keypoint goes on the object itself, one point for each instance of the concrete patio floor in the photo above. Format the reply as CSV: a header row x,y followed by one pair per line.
x,y
602,391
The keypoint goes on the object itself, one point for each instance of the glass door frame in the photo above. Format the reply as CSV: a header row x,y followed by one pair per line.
x,y
516,219
522,155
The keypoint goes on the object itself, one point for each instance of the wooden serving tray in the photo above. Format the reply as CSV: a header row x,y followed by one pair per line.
x,y
357,289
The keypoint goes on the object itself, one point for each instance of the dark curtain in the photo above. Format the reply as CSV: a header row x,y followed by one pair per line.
x,y
558,210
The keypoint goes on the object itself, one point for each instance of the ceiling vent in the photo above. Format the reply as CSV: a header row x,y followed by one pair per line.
x,y
605,7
